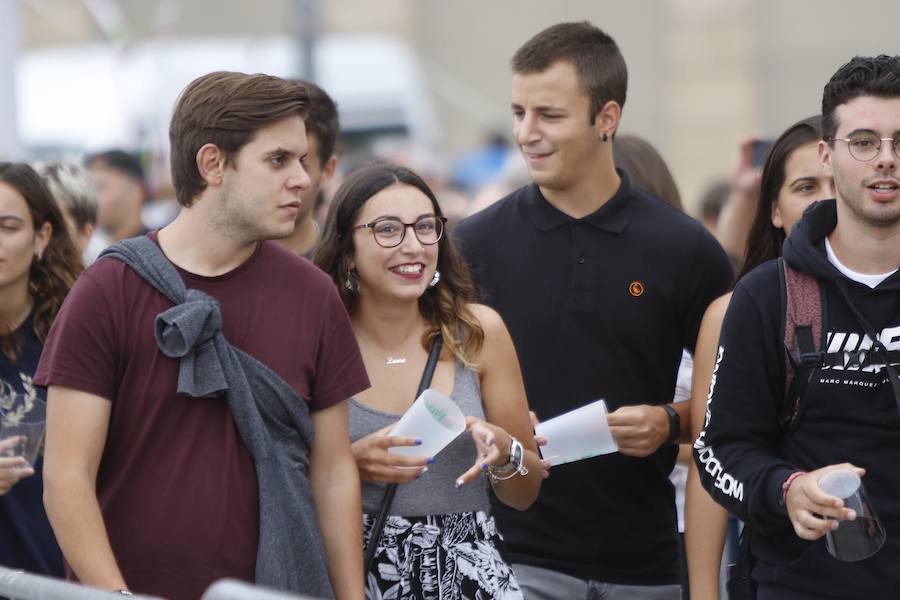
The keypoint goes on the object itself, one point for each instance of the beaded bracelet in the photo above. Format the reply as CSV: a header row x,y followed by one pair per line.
x,y
787,484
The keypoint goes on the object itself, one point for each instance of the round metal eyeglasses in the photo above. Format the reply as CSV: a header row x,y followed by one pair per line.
x,y
866,146
389,232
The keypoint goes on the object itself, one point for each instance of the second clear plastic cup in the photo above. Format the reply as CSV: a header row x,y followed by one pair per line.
x,y
858,539
576,435
23,419
433,418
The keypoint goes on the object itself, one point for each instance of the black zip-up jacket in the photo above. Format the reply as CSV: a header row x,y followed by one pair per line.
x,y
849,415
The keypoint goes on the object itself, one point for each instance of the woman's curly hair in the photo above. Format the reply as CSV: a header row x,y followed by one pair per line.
x,y
51,276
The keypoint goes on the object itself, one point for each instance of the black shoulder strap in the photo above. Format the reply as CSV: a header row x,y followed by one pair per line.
x,y
881,354
803,300
378,527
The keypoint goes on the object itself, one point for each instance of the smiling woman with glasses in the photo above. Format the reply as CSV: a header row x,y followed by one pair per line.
x,y
402,291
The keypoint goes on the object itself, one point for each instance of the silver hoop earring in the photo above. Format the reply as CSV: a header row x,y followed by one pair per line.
x,y
435,279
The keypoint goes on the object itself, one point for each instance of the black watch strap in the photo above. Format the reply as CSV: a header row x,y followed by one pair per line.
x,y
674,424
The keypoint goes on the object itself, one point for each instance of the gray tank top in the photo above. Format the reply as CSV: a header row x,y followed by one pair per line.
x,y
433,493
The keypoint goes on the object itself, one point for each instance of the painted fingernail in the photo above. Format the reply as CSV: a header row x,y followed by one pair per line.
x,y
458,483
418,442
490,442
430,461
484,466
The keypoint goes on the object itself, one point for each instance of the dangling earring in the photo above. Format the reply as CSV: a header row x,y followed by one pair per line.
x,y
605,137
39,254
435,279
350,283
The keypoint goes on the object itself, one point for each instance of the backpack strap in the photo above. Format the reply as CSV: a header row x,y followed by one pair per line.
x,y
802,302
801,297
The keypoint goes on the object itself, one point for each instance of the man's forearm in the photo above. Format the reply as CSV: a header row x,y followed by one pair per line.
x,y
339,508
74,513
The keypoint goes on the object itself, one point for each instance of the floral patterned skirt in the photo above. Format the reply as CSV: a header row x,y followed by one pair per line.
x,y
439,557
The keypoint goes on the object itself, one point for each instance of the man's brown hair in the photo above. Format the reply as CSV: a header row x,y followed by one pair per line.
x,y
322,120
225,109
598,63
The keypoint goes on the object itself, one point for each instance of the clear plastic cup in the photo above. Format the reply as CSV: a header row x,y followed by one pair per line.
x,y
23,419
576,435
858,539
433,418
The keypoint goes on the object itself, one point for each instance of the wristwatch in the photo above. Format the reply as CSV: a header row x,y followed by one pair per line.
x,y
674,424
515,465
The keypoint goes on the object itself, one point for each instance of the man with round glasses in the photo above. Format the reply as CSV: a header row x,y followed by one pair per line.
x,y
766,445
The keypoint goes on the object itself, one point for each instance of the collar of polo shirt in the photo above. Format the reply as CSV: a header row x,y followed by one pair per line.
x,y
609,217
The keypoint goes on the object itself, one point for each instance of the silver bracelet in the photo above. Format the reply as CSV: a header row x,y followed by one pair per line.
x,y
515,465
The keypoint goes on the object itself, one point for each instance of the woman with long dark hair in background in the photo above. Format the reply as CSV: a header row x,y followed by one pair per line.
x,y
792,179
38,265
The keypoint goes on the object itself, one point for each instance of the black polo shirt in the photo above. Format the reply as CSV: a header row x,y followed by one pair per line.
x,y
598,307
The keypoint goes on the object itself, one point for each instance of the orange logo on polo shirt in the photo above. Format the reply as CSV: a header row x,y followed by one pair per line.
x,y
636,288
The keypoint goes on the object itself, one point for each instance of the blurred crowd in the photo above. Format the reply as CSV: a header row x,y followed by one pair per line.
x,y
119,193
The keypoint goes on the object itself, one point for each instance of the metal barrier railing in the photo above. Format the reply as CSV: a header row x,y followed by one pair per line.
x,y
17,585
230,589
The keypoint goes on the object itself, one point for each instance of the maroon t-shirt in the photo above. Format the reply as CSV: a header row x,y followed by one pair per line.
x,y
176,485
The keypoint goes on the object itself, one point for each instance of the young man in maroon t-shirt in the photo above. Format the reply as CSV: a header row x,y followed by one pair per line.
x,y
154,491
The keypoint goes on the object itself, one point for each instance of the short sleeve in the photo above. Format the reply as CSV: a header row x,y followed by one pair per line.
x,y
710,277
80,350
340,372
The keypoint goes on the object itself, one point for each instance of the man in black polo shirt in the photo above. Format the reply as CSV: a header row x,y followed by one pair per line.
x,y
601,285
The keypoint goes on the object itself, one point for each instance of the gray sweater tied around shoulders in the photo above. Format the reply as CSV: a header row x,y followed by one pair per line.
x,y
272,419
